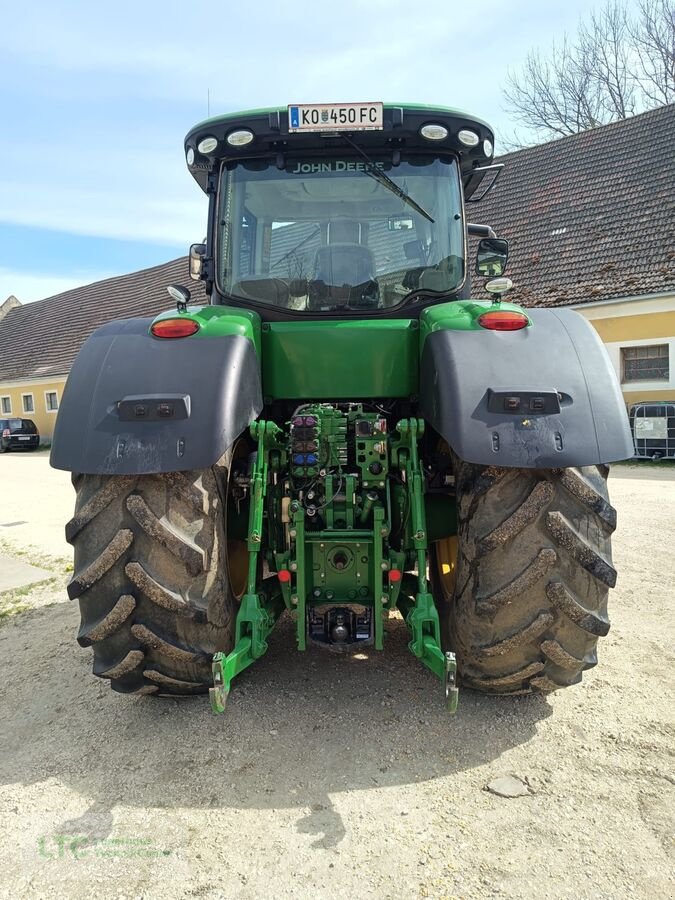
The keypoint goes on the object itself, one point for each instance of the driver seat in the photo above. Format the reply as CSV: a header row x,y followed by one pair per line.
x,y
341,265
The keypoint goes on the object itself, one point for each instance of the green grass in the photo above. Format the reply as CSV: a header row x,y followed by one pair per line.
x,y
28,589
12,601
12,608
35,557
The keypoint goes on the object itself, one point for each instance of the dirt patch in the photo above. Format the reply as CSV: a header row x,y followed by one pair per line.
x,y
342,775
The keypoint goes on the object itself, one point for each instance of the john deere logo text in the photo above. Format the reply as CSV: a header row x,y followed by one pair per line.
x,y
337,165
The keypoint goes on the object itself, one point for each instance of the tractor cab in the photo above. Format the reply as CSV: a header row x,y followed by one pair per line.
x,y
351,209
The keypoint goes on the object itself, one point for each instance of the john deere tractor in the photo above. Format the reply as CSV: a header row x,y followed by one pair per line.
x,y
342,432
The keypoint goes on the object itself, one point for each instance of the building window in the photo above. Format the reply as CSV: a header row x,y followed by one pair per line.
x,y
51,401
28,403
645,363
6,406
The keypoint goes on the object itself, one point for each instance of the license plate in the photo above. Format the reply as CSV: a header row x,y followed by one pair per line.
x,y
24,437
335,117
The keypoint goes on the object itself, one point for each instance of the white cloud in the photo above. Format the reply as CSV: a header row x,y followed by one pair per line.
x,y
303,50
128,184
27,287
125,215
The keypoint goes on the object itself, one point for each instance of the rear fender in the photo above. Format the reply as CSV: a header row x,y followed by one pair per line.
x,y
135,404
570,410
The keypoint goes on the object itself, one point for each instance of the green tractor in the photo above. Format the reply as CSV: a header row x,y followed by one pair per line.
x,y
342,432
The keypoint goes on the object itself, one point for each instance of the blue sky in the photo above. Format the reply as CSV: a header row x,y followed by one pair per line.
x,y
95,100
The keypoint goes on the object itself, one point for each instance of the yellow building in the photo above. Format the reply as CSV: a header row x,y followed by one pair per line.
x,y
639,335
33,398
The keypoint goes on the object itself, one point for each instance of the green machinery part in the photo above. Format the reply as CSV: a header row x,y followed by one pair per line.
x,y
259,610
347,557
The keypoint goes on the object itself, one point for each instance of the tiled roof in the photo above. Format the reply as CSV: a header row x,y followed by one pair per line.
x,y
588,217
42,339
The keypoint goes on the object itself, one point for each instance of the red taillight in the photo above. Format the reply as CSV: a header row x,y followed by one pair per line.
x,y
394,576
284,576
503,320
174,328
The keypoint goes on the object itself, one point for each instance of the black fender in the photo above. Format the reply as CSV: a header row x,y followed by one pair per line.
x,y
137,405
546,396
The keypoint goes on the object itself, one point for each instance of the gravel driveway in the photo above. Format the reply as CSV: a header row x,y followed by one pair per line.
x,y
332,775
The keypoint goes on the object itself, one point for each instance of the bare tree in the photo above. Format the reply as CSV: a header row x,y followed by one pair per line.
x,y
653,37
612,68
605,47
555,94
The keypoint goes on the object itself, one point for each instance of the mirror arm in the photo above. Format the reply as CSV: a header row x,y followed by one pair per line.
x,y
207,273
484,231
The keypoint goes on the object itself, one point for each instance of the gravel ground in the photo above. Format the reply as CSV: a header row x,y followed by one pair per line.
x,y
335,775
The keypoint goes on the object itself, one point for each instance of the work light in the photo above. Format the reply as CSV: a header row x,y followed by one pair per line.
x,y
468,138
207,145
434,132
240,138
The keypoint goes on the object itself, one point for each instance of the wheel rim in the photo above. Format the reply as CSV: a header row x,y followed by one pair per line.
x,y
237,567
445,551
445,559
237,550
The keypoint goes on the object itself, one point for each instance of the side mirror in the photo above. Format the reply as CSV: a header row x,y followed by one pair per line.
x,y
491,257
197,254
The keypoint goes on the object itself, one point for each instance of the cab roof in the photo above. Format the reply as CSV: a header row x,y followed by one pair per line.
x,y
400,131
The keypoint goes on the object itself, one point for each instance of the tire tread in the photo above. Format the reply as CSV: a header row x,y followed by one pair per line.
x,y
151,579
532,543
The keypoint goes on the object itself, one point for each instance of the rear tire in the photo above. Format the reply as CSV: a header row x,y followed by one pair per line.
x,y
151,578
529,599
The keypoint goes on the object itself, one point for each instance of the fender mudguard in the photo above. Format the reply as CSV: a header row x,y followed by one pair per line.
x,y
546,396
137,405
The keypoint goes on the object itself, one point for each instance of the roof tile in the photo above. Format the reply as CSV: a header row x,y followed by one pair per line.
x,y
590,216
41,339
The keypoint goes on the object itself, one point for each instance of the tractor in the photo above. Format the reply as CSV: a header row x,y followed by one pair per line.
x,y
339,432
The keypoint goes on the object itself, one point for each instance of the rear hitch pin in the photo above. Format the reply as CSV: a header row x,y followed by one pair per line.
x,y
451,689
218,694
